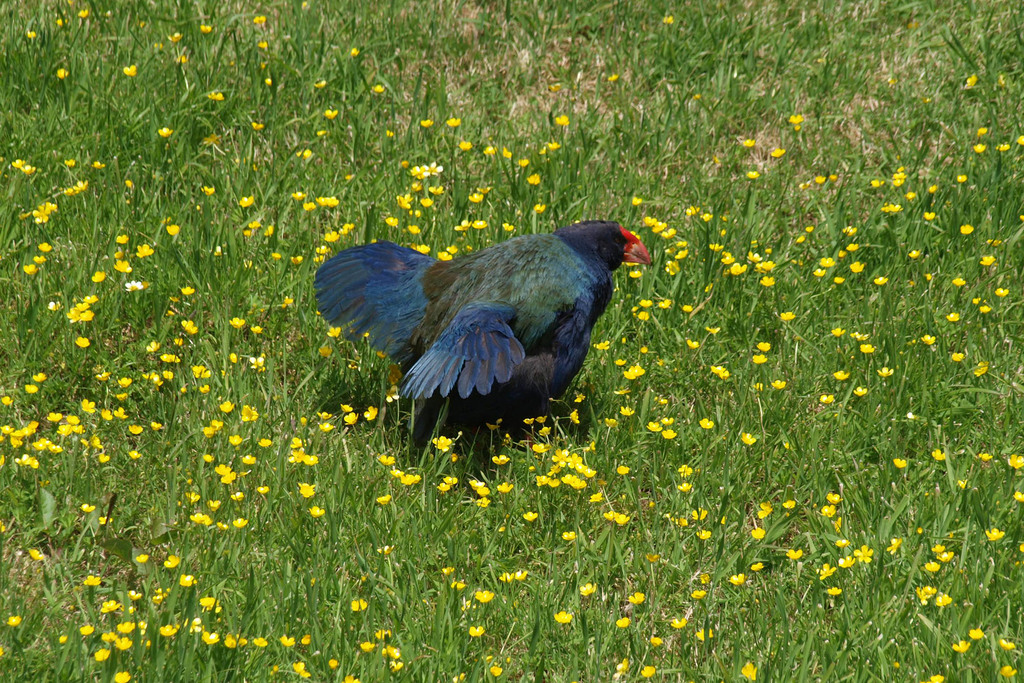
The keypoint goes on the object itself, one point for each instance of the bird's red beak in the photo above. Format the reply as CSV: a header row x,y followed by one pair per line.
x,y
635,251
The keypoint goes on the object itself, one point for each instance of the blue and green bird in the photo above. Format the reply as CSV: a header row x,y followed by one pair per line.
x,y
495,334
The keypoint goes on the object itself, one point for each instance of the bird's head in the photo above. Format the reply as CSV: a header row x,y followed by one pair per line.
x,y
608,241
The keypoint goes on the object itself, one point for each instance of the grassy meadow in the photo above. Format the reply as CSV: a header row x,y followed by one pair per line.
x,y
795,452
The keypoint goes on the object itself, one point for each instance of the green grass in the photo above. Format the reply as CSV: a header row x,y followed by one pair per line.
x,y
122,455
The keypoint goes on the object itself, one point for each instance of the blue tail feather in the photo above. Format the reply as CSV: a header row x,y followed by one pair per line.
x,y
375,289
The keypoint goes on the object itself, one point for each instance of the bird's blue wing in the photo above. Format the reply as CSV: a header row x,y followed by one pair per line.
x,y
476,350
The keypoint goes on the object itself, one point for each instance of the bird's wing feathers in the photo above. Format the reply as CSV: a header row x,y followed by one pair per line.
x,y
475,350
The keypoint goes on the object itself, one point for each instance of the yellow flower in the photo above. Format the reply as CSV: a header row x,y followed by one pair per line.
x,y
633,372
749,671
563,617
864,554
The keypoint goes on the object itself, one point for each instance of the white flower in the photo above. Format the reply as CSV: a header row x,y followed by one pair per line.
x,y
423,172
134,286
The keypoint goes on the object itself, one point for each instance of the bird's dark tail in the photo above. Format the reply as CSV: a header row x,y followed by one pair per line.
x,y
375,290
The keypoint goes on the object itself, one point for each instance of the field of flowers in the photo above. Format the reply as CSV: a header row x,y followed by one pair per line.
x,y
795,452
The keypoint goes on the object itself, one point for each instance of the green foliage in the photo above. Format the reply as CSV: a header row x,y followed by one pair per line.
x,y
793,450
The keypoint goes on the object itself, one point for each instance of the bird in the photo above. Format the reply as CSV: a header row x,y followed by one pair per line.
x,y
488,338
